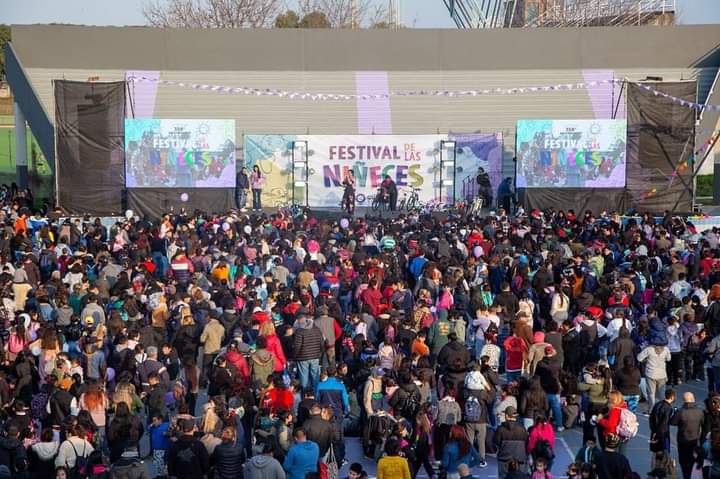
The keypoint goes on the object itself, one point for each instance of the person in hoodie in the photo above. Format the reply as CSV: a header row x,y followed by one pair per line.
x,y
237,362
302,458
264,466
41,455
262,362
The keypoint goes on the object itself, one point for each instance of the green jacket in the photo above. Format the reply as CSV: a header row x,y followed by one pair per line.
x,y
595,393
438,335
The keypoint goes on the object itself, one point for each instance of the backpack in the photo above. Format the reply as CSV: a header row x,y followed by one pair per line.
x,y
15,344
79,470
476,381
472,411
628,425
543,450
409,406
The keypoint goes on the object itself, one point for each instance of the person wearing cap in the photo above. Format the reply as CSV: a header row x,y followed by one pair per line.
x,y
548,369
511,441
373,392
610,464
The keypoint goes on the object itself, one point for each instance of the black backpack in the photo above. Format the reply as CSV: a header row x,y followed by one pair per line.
x,y
408,406
79,470
543,450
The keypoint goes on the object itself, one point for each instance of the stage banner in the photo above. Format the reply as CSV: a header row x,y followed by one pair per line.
x,y
412,161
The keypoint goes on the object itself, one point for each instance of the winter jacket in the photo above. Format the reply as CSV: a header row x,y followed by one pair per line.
x,y
511,440
308,344
263,365
595,393
187,458
627,382
393,467
301,459
541,432
659,420
42,459
212,336
689,421
609,424
320,432
264,467
437,336
454,356
238,362
129,467
515,350
12,453
333,393
228,459
275,347
530,408
548,370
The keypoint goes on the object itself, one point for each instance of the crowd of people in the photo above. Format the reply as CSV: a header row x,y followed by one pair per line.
x,y
251,345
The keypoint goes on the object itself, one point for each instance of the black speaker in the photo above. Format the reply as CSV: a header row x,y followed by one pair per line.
x,y
716,180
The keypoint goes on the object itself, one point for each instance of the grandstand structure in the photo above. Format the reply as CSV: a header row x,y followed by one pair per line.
x,y
560,13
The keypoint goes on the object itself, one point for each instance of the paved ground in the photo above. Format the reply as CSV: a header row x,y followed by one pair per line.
x,y
567,444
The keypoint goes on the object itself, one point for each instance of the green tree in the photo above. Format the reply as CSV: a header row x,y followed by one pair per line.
x,y
315,20
289,19
4,38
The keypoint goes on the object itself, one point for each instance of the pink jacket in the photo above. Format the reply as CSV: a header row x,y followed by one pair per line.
x,y
257,181
539,432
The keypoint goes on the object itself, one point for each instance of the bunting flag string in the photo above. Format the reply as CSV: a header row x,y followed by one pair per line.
x,y
295,95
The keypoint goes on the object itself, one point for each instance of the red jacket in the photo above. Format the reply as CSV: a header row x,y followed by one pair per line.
x,y
515,349
275,347
238,361
609,424
372,297
280,399
541,432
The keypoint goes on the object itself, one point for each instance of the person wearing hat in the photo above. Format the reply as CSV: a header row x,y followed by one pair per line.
x,y
610,464
548,369
511,440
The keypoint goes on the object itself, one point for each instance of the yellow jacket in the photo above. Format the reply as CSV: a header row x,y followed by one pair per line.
x,y
393,467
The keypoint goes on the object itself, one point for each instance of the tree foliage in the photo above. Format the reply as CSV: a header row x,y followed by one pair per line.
x,y
339,13
4,38
289,19
315,20
212,13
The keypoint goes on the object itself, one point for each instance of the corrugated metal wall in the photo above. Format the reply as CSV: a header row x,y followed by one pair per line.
x,y
259,115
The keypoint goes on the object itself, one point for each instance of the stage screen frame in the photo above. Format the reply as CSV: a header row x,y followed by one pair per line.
x,y
589,141
203,151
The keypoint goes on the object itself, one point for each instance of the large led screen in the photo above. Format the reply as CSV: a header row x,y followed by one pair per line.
x,y
179,153
571,153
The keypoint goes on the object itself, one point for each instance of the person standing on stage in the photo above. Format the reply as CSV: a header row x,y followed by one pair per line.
x,y
348,199
242,185
257,182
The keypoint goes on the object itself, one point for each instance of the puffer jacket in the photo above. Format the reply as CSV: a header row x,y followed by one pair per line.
x,y
228,460
511,440
308,343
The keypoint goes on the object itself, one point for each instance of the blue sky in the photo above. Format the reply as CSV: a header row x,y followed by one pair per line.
x,y
418,13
